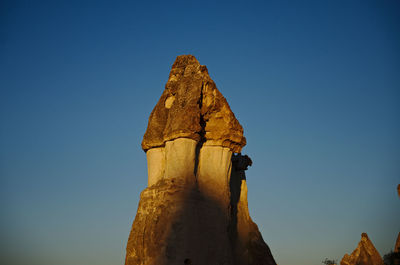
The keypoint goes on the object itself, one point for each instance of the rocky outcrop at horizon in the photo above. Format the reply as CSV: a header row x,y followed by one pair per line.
x,y
398,190
194,210
364,254
397,246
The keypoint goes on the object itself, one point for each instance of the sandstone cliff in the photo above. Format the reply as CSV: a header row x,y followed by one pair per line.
x,y
364,254
194,210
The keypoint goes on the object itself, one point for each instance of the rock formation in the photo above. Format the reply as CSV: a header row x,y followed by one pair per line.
x,y
397,246
398,190
194,210
364,254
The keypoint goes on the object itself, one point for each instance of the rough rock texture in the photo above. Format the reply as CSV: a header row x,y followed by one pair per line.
x,y
195,206
173,223
364,254
192,107
176,221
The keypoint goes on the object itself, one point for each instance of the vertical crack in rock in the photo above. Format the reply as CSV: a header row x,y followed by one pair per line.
x,y
195,206
202,133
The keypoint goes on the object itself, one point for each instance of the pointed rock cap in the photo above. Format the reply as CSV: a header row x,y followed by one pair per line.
x,y
364,254
192,107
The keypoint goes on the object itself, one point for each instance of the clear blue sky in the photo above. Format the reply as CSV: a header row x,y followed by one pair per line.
x,y
315,84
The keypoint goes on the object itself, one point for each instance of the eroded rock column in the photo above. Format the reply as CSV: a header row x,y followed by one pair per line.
x,y
180,156
214,173
195,205
155,164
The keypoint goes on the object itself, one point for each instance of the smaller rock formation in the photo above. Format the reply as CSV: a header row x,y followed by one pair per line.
x,y
396,253
397,246
364,254
398,190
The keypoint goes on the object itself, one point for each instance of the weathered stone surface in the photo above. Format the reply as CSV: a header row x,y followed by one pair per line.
x,y
176,221
397,246
213,173
249,246
192,107
364,254
195,206
155,165
180,155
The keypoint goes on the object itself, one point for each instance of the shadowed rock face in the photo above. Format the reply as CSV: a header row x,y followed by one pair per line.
x,y
364,254
195,207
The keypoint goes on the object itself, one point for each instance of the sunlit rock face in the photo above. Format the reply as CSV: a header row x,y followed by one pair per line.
x,y
364,254
192,107
195,207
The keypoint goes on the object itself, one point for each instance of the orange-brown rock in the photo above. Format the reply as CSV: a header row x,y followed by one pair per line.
x,y
398,190
194,209
397,246
176,221
364,254
192,107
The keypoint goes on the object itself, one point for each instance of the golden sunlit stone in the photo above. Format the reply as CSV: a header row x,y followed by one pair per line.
x,y
364,254
192,107
195,206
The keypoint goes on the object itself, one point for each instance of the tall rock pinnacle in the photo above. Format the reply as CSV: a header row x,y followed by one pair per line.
x,y
364,254
194,210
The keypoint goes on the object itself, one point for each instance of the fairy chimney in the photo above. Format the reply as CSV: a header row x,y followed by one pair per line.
x,y
195,206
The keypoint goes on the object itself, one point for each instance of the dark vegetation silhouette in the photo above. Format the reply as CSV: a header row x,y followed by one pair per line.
x,y
329,261
392,258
